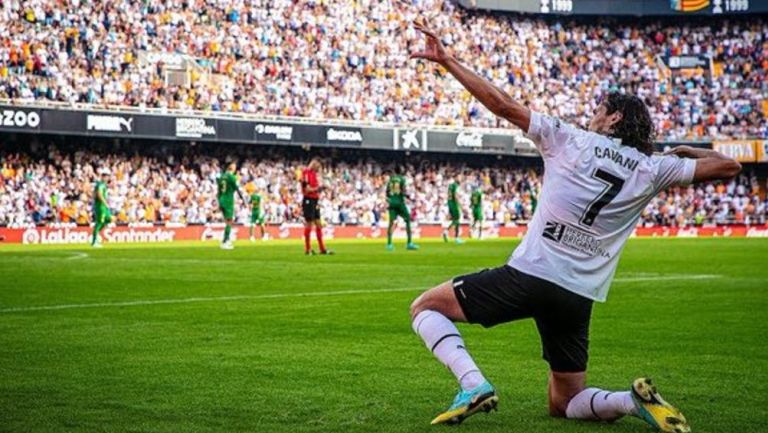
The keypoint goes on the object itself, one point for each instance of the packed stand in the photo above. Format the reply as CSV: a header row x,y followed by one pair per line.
x,y
52,186
58,188
348,59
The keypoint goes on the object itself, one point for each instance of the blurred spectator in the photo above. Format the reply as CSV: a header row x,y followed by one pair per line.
x,y
49,185
349,59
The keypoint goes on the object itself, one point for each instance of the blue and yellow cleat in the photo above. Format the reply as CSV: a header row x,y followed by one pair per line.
x,y
467,403
411,246
390,247
654,410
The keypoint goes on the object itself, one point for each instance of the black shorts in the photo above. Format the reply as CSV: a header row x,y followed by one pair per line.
x,y
504,294
310,209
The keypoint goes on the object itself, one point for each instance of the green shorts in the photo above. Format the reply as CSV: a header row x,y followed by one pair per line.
x,y
227,208
477,214
101,215
399,210
257,217
453,210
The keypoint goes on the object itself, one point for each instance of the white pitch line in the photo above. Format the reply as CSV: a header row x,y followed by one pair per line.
x,y
293,295
77,256
203,299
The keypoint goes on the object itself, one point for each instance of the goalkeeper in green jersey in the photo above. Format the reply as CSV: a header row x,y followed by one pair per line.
x,y
227,187
454,210
476,202
257,217
101,214
396,204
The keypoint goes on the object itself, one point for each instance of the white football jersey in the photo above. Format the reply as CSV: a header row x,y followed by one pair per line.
x,y
594,190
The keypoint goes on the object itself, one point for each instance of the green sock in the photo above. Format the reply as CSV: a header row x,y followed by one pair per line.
x,y
389,234
227,229
408,230
96,230
456,230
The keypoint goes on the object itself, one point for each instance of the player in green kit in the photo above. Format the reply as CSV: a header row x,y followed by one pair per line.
x,y
227,187
477,211
397,207
257,217
454,211
101,214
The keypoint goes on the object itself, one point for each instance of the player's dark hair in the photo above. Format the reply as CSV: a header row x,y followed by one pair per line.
x,y
636,128
397,169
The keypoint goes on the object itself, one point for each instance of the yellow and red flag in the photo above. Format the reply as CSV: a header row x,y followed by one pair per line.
x,y
688,5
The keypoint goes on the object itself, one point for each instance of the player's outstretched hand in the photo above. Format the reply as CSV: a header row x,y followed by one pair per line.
x,y
435,50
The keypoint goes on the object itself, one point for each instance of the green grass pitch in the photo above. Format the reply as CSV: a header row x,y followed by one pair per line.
x,y
190,338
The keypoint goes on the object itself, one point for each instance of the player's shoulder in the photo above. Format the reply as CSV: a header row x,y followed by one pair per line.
x,y
542,122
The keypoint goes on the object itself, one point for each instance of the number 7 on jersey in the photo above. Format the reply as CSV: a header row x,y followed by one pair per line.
x,y
613,185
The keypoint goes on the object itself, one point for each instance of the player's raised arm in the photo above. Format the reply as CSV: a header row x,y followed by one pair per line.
x,y
710,164
495,99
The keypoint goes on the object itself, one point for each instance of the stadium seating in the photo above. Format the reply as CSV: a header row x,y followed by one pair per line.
x,y
52,186
348,59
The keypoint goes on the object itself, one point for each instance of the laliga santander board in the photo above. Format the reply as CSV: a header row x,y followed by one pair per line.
x,y
155,234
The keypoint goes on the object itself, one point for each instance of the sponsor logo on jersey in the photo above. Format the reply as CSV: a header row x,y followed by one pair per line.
x,y
20,119
573,238
280,132
109,123
343,135
553,231
194,127
469,139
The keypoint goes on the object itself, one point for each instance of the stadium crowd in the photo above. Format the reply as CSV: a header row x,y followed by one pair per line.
x,y
52,186
349,59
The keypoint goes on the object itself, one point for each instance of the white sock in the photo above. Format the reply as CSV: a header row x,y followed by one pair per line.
x,y
443,339
598,404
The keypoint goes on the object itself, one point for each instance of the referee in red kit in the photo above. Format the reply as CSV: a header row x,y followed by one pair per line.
x,y
310,189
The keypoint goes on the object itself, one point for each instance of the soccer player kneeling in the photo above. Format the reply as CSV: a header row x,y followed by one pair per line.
x,y
597,182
